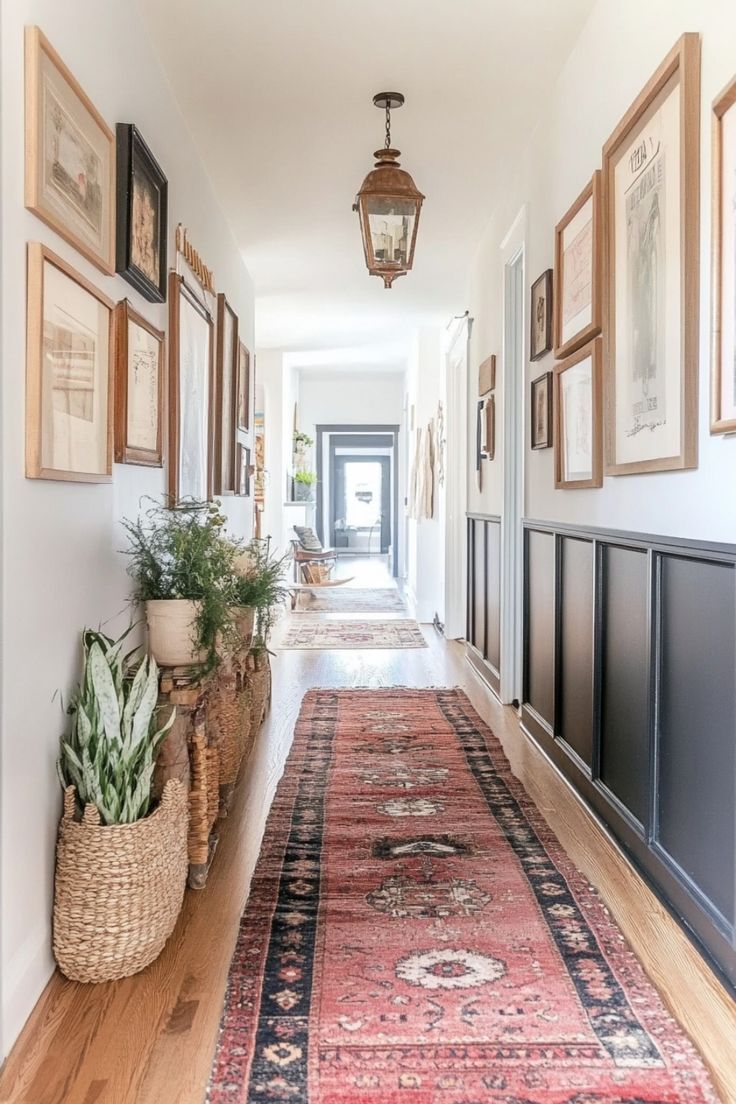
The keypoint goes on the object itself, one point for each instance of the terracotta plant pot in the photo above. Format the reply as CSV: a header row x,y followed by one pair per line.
x,y
172,632
244,620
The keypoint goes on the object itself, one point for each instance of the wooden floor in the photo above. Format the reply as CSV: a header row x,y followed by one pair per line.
x,y
150,1039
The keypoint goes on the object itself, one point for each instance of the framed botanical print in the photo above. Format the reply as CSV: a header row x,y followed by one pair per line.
x,y
142,221
541,411
489,415
541,316
243,412
487,375
723,374
578,416
69,385
651,171
191,394
243,469
69,156
139,389
228,352
577,292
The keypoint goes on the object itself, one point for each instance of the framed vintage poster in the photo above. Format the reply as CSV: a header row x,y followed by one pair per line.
x,y
69,385
191,394
139,389
578,417
578,271
142,220
541,411
651,173
541,316
489,422
69,156
226,375
723,374
243,470
487,375
243,410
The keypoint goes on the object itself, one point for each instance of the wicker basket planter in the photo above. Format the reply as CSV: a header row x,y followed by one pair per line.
x,y
244,619
259,680
119,888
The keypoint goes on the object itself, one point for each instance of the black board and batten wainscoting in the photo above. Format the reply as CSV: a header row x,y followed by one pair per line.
x,y
630,688
483,620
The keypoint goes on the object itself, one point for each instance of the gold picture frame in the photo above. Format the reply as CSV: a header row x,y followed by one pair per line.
x,y
584,402
226,397
139,389
487,375
651,164
69,373
723,341
577,296
191,400
69,156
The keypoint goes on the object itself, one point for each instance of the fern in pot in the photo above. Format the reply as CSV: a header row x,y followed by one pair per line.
x,y
183,565
121,859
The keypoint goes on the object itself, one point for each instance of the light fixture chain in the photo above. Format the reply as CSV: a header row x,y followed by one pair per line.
x,y
388,124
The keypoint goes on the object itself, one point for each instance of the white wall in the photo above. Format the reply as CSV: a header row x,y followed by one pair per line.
x,y
341,398
60,541
620,46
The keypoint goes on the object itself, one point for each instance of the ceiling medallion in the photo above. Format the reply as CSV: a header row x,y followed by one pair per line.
x,y
388,204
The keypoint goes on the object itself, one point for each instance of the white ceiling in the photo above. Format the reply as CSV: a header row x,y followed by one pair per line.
x,y
278,95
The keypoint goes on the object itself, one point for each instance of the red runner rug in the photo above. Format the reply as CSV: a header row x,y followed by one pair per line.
x,y
415,933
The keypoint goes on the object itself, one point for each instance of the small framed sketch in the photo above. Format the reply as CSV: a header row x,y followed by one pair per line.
x,y
243,415
243,467
225,395
139,389
191,394
723,375
487,375
69,156
69,385
541,316
541,408
578,416
142,223
578,271
651,171
489,416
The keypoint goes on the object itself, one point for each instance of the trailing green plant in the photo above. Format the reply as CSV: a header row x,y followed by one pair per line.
x,y
302,440
182,552
261,583
110,751
308,478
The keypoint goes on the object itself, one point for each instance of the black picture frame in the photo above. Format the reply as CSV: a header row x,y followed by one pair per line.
x,y
540,347
134,158
545,381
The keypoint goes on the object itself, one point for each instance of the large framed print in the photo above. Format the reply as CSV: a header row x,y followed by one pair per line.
x,y
578,416
578,271
651,173
723,375
191,394
139,389
243,402
541,316
541,411
225,398
69,364
69,156
142,221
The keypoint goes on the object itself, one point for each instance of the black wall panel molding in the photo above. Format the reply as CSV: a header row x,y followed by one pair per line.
x,y
483,629
630,689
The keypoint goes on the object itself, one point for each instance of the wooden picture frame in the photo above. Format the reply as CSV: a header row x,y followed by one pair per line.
x,y
56,102
243,389
588,415
577,298
490,428
197,392
541,412
540,314
69,405
139,417
243,471
142,215
651,165
487,375
723,338
226,382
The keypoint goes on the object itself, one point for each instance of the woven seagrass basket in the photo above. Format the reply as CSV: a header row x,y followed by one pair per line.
x,y
259,681
119,888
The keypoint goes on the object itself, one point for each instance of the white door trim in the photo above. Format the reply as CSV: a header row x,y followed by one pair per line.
x,y
513,249
456,477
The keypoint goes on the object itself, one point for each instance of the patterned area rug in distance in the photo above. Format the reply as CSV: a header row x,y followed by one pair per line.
x,y
325,635
351,600
415,933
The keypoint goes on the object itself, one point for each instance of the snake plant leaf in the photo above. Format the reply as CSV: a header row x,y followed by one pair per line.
x,y
147,704
135,694
82,727
106,695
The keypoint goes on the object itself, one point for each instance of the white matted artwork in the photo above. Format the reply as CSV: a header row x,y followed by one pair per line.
x,y
723,382
139,389
577,404
69,372
190,389
651,165
577,295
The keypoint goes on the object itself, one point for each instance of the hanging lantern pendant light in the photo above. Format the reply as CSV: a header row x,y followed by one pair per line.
x,y
388,205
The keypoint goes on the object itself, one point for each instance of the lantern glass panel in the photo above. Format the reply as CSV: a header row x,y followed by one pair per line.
x,y
391,224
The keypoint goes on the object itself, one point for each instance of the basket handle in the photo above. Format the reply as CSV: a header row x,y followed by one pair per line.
x,y
173,793
91,816
70,802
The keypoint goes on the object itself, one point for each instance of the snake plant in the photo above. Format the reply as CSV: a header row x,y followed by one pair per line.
x,y
110,753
